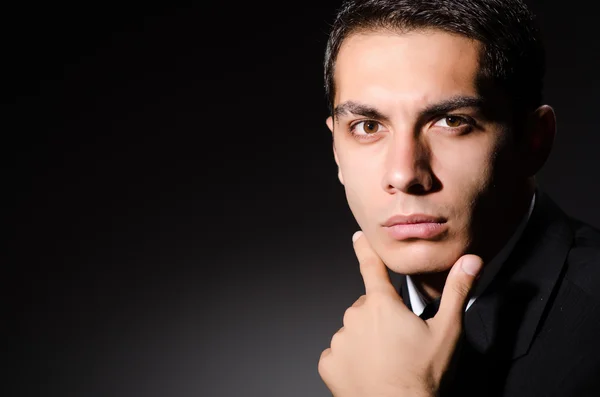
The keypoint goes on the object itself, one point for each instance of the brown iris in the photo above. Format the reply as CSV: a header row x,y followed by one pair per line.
x,y
453,121
370,127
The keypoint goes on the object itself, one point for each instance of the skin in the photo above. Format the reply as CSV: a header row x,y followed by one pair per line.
x,y
462,163
383,349
469,168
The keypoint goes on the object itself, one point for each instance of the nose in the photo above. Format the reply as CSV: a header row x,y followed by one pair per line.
x,y
407,166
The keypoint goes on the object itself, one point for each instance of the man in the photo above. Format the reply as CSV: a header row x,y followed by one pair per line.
x,y
438,131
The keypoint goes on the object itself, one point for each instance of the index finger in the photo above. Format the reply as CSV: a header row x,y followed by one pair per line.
x,y
373,270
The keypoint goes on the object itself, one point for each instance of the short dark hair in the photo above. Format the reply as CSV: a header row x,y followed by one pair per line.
x,y
513,56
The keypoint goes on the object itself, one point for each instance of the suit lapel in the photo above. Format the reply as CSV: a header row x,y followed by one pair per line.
x,y
505,317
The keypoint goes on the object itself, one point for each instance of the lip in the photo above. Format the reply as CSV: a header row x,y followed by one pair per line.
x,y
420,226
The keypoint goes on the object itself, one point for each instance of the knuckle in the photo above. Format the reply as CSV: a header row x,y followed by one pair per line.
x,y
323,367
335,340
461,289
348,315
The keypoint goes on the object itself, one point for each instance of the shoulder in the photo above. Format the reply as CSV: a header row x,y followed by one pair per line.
x,y
583,261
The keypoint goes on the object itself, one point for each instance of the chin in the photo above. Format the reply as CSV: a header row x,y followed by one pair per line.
x,y
419,257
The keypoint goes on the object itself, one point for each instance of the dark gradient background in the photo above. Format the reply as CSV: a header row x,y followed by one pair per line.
x,y
175,224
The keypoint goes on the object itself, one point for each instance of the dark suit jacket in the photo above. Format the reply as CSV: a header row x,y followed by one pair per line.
x,y
535,331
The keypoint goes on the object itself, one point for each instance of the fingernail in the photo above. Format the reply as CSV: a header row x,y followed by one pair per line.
x,y
356,235
471,265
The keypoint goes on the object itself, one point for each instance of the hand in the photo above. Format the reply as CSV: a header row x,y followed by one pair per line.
x,y
383,348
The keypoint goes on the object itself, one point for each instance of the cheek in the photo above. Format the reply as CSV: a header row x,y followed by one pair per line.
x,y
361,186
465,170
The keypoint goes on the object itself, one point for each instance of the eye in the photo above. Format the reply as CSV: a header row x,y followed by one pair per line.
x,y
366,127
451,122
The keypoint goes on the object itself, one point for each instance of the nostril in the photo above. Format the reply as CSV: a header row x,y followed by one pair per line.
x,y
417,189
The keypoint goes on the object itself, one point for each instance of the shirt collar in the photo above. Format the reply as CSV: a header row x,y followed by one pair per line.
x,y
418,301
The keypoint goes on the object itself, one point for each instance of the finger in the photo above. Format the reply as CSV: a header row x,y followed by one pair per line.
x,y
351,318
336,339
325,353
323,366
456,291
351,315
373,270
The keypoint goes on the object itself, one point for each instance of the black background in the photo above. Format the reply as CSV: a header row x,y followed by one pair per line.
x,y
175,224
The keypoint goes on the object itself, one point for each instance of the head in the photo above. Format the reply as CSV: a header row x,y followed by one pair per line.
x,y
437,117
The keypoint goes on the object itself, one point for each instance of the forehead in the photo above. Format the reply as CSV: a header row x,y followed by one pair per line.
x,y
415,67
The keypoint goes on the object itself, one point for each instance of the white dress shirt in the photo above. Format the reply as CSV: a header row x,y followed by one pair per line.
x,y
418,301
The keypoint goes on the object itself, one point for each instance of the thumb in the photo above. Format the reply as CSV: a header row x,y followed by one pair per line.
x,y
456,291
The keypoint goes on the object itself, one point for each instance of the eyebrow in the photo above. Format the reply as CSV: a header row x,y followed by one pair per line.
x,y
351,107
444,106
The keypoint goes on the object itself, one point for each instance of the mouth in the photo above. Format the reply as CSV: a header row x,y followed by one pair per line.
x,y
416,226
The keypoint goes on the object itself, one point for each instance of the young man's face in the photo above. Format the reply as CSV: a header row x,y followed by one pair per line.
x,y
411,139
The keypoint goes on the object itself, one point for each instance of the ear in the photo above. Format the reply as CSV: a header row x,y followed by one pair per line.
x,y
329,123
539,138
